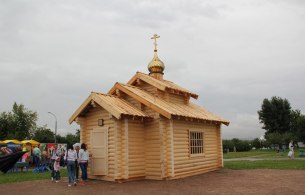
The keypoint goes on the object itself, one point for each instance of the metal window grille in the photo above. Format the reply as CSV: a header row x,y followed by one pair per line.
x,y
196,142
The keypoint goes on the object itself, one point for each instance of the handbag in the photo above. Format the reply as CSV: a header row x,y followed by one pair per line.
x,y
62,162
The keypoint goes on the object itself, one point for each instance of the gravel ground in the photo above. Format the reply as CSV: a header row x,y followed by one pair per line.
x,y
262,181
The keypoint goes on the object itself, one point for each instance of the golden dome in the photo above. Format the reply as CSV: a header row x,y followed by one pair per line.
x,y
155,65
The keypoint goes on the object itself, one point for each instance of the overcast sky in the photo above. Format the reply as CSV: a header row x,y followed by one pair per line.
x,y
232,53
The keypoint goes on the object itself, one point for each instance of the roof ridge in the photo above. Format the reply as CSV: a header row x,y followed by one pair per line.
x,y
138,72
169,84
130,86
171,109
104,94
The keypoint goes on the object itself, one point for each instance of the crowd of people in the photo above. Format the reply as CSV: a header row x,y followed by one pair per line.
x,y
76,156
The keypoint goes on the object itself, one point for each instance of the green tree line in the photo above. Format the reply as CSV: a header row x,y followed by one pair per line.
x,y
21,124
281,122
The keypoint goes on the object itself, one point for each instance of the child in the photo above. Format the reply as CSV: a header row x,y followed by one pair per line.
x,y
57,169
24,156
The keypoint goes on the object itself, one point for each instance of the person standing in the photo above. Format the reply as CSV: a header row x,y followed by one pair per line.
x,y
70,157
291,150
56,168
24,158
83,161
76,148
25,155
55,152
36,156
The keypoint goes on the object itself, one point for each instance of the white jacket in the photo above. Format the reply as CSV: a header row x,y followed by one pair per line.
x,y
83,156
70,155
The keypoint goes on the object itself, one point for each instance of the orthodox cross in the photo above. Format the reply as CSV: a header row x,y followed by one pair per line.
x,y
155,40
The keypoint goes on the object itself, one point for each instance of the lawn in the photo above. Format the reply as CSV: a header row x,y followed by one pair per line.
x,y
27,176
258,154
265,164
266,159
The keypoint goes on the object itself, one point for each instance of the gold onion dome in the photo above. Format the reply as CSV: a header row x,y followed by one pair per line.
x,y
155,65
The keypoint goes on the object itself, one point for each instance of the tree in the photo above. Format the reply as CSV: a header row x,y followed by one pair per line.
x,y
275,114
240,145
298,125
274,138
17,124
300,133
5,124
256,143
295,117
61,139
280,138
44,135
72,139
24,121
78,134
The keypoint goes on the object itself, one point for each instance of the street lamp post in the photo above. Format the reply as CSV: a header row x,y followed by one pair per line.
x,y
55,125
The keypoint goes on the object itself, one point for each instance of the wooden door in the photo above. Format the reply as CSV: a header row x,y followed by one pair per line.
x,y
99,163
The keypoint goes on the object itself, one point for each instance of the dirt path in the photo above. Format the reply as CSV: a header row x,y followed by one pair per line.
x,y
217,182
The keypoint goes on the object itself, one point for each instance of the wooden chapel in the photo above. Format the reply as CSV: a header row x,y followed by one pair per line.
x,y
148,128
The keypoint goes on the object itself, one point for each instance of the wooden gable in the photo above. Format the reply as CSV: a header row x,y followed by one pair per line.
x,y
169,109
162,85
114,105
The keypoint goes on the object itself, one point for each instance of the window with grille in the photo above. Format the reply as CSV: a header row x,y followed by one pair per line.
x,y
196,142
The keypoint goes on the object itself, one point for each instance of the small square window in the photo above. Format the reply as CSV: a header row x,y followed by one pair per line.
x,y
100,122
195,142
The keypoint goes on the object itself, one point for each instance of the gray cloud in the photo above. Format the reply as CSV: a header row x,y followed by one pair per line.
x,y
233,54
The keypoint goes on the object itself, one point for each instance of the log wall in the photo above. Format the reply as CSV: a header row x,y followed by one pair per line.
x,y
166,148
144,157
136,148
184,163
152,150
87,124
157,148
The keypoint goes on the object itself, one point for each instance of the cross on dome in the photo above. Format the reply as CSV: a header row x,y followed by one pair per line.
x,y
156,66
155,37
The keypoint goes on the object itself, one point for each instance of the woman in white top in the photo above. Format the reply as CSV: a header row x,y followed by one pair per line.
x,y
70,157
291,151
83,157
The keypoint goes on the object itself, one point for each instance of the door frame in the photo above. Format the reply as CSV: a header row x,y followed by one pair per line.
x,y
105,130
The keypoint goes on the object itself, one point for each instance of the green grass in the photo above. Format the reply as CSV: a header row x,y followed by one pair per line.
x,y
258,154
265,164
27,176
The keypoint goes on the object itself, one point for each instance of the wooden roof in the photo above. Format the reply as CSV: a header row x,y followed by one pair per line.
x,y
116,106
162,85
169,109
